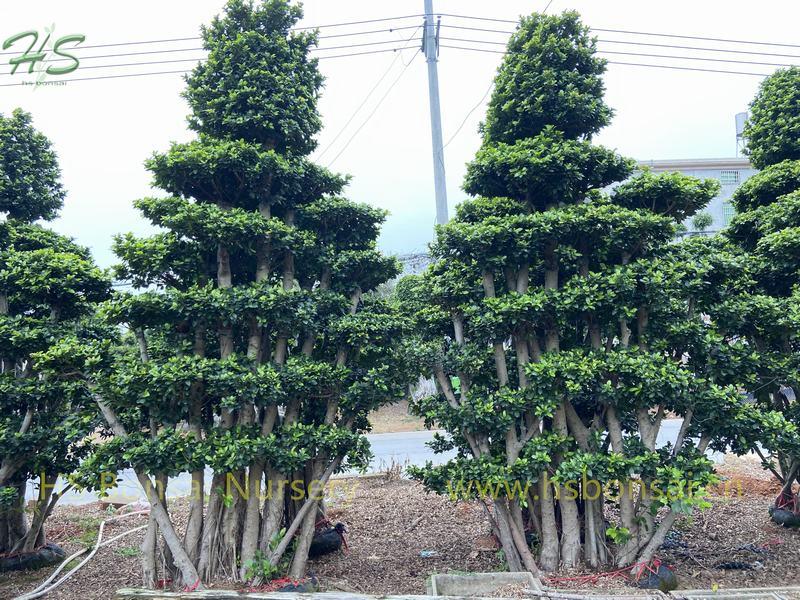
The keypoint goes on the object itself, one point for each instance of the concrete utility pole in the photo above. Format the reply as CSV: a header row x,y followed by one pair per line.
x,y
430,45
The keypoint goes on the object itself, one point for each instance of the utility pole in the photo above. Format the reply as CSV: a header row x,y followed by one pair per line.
x,y
430,46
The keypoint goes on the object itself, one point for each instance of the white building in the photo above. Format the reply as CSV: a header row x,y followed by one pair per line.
x,y
730,172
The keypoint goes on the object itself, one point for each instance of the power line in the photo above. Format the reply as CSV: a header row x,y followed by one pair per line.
x,y
649,55
611,62
198,59
374,110
359,22
633,32
694,37
368,96
722,60
135,64
392,41
457,16
183,71
460,27
389,30
478,18
464,27
726,50
186,39
472,110
631,43
53,60
198,38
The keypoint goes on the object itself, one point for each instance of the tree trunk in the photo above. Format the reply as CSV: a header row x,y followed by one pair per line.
x,y
252,518
309,504
188,573
40,513
549,556
298,567
273,510
506,538
209,545
182,561
148,548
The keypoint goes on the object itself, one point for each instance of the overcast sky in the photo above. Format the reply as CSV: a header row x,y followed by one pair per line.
x,y
103,130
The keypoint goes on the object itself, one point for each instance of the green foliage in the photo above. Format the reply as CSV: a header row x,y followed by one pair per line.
x,y
766,186
562,323
253,339
30,186
762,313
702,221
618,535
49,289
773,128
258,81
261,567
543,170
673,195
550,76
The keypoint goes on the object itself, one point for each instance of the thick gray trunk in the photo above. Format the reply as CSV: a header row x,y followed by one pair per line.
x,y
549,557
148,548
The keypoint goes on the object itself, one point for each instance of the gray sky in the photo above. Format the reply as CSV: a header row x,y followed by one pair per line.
x,y
104,129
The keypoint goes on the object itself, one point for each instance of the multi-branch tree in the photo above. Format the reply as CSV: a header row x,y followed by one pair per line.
x,y
562,324
259,349
49,288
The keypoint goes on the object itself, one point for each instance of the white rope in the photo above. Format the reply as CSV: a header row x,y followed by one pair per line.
x,y
43,588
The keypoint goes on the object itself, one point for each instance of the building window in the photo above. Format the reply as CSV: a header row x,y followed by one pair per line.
x,y
727,213
729,177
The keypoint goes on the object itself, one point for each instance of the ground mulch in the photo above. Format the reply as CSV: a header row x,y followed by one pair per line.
x,y
735,532
394,418
399,535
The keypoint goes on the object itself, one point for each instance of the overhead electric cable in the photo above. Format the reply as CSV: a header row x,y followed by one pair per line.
x,y
59,81
368,96
472,110
611,62
650,55
316,49
633,32
678,47
359,22
375,109
198,38
632,43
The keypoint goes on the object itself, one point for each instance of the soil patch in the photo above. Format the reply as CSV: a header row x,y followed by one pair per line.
x,y
393,418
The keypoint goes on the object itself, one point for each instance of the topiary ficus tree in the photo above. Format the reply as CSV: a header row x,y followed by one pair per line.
x,y
48,291
766,232
561,324
259,349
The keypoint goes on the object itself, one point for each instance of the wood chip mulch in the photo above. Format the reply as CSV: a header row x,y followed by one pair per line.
x,y
399,535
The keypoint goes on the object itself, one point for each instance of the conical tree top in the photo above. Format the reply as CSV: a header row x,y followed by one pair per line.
x,y
773,129
258,82
549,77
30,180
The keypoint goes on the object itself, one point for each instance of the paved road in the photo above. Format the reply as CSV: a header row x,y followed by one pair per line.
x,y
403,449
